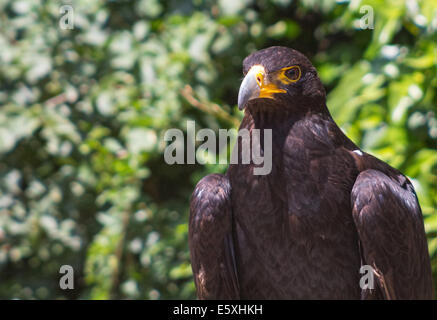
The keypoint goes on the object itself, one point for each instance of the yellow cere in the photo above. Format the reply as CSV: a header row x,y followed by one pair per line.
x,y
266,89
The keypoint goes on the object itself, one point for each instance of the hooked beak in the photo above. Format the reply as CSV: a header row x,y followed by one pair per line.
x,y
255,85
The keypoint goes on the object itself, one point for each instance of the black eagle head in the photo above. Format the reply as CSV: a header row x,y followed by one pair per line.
x,y
281,74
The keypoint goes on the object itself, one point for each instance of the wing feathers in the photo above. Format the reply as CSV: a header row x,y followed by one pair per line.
x,y
390,226
210,239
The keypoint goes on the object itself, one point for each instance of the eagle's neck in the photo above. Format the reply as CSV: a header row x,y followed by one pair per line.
x,y
282,116
309,124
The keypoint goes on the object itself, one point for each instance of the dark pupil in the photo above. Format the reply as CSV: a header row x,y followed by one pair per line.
x,y
292,73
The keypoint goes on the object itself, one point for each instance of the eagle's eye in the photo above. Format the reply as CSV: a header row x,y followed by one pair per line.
x,y
292,74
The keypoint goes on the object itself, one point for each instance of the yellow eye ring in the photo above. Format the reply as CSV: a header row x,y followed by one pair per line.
x,y
287,80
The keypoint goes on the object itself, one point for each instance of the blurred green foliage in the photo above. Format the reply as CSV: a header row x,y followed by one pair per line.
x,y
83,111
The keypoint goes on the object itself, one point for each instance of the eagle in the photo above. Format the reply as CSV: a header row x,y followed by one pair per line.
x,y
326,212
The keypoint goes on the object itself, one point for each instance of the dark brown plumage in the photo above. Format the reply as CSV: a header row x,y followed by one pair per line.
x,y
327,208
